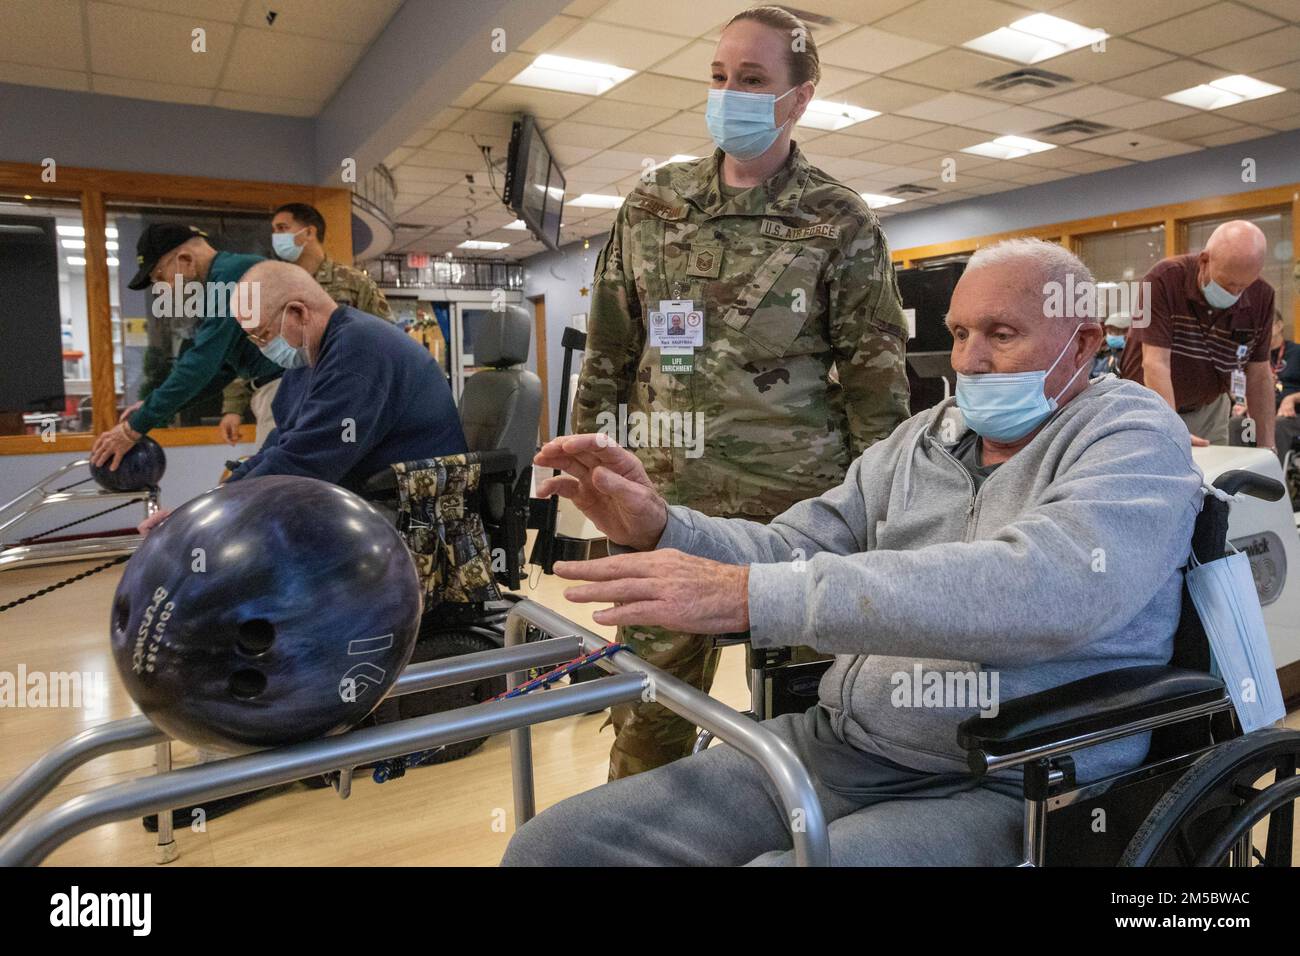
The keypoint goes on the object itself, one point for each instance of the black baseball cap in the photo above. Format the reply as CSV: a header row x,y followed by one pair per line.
x,y
155,242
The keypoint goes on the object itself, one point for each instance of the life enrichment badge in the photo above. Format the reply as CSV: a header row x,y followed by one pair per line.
x,y
705,261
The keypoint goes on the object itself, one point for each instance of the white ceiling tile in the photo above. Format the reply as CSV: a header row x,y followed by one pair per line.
x,y
1042,176
150,90
262,103
835,79
569,155
485,125
660,146
1257,53
625,161
855,11
1166,78
26,75
1124,16
1239,135
903,154
654,90
569,133
952,69
683,124
1163,151
691,62
1086,101
952,108
875,51
688,18
147,45
1120,58
550,34
1189,128
618,115
357,21
262,61
226,11
506,66
1142,114
473,94
892,128
1099,165
936,21
844,167
1284,9
1017,119
526,99
1287,75
1208,27
950,138
620,46
1279,106
43,34
837,144
885,95
1121,144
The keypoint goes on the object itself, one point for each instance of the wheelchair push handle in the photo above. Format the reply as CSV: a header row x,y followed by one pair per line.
x,y
1239,481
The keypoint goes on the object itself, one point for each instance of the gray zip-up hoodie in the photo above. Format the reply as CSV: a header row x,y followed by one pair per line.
x,y
1067,562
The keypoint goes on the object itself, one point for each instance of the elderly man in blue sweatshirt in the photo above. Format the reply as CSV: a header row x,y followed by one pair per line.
x,y
1031,530
358,394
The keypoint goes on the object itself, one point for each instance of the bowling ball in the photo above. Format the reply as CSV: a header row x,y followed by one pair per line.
x,y
269,611
142,467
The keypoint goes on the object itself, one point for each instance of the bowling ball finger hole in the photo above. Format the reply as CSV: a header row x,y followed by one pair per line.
x,y
247,684
255,637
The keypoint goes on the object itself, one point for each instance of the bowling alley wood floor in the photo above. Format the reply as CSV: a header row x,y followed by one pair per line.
x,y
445,815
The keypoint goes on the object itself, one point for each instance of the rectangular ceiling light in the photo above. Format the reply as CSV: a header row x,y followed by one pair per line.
x,y
597,201
1031,39
568,75
875,201
483,244
1008,147
1228,91
823,114
79,232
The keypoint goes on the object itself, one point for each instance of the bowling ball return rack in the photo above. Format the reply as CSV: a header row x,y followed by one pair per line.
x,y
27,842
45,548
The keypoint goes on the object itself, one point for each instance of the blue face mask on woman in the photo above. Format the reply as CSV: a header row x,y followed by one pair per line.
x,y
282,353
743,125
1007,406
1115,342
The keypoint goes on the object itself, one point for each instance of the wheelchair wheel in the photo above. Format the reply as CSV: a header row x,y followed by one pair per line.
x,y
1215,806
433,645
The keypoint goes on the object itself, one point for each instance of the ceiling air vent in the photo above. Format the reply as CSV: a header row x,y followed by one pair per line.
x,y
1071,131
1024,84
911,189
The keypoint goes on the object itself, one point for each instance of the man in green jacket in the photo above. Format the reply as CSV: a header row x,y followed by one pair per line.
x,y
200,283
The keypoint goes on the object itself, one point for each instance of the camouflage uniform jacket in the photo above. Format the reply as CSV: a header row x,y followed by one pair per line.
x,y
346,286
794,277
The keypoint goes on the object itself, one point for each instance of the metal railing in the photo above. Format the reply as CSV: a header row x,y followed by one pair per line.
x,y
28,842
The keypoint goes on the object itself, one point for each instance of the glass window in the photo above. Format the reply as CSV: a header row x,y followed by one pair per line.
x,y
1276,224
149,345
44,332
1125,255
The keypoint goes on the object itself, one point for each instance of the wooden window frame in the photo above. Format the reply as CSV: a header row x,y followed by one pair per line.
x,y
95,189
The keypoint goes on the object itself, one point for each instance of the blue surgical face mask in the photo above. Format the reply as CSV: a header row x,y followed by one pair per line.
x,y
1115,341
282,353
1218,296
743,125
285,247
1007,406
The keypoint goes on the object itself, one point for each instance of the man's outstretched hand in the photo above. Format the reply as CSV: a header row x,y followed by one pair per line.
x,y
608,484
663,589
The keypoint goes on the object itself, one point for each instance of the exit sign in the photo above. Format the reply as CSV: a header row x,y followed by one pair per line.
x,y
417,260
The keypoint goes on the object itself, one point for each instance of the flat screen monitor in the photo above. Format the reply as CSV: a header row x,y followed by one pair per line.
x,y
534,186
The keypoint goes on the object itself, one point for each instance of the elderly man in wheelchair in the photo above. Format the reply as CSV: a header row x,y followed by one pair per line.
x,y
1006,568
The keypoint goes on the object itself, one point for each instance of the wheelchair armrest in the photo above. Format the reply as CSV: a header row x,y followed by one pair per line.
x,y
1101,702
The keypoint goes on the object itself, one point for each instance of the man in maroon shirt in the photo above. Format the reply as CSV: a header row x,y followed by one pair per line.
x,y
1201,337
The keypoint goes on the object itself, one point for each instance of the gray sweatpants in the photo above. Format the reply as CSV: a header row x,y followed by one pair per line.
x,y
718,809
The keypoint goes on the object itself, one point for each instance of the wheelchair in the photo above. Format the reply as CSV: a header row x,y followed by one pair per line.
x,y
1196,799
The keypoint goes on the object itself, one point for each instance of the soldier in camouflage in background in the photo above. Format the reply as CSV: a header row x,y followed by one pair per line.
x,y
750,296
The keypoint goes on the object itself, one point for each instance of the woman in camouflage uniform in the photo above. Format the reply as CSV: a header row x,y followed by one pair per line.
x,y
789,357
